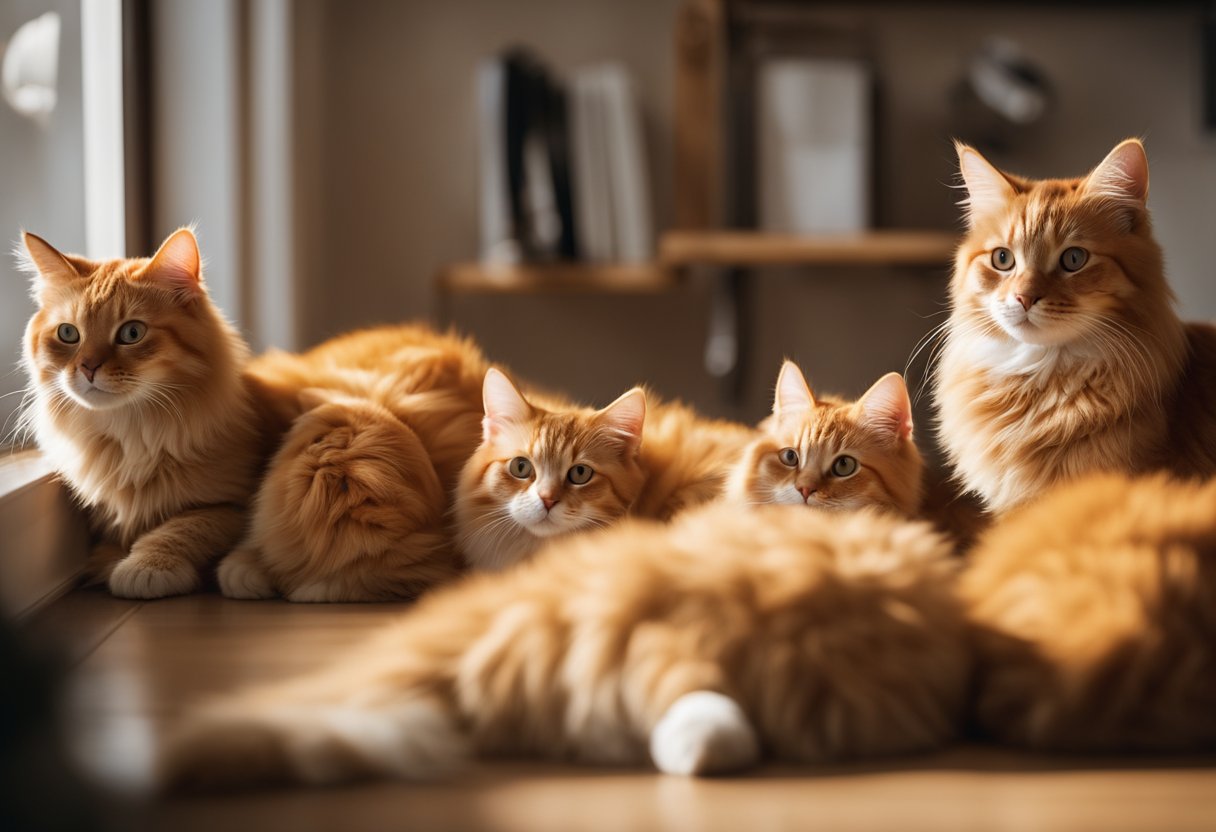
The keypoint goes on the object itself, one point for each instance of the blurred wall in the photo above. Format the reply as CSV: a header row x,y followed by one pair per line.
x,y
396,165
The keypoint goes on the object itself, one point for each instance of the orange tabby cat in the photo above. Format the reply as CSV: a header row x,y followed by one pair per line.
x,y
827,453
545,468
1094,612
732,632
139,403
1064,354
353,505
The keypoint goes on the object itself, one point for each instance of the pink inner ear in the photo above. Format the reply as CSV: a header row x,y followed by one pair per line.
x,y
987,188
793,393
503,403
886,406
51,266
177,265
627,415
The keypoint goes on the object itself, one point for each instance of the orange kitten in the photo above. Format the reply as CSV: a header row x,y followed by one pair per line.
x,y
730,633
545,468
139,403
353,505
1064,354
832,454
1094,611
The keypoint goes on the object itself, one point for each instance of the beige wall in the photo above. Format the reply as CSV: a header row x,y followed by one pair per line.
x,y
397,167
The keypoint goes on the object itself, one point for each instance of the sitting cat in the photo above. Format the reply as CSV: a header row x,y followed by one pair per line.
x,y
1064,354
545,468
138,401
730,633
1066,370
828,453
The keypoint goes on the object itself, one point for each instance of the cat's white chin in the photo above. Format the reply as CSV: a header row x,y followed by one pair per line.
x,y
547,527
94,398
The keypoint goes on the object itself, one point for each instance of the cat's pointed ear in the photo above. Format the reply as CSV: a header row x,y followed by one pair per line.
x,y
177,265
45,264
793,393
626,416
887,408
504,404
988,189
1122,176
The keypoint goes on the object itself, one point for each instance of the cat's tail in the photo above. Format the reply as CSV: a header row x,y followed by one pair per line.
x,y
241,744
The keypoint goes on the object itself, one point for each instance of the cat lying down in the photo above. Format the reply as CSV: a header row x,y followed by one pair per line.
x,y
732,634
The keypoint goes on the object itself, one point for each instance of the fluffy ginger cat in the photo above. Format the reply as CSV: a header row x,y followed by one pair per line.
x,y
1063,353
731,632
545,468
139,403
1094,617
353,506
828,453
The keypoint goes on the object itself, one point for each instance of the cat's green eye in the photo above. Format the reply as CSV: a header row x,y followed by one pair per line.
x,y
131,332
1073,258
788,456
68,334
520,467
579,474
844,466
1002,259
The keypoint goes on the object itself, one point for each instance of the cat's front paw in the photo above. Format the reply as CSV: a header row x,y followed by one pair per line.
x,y
241,576
704,733
149,572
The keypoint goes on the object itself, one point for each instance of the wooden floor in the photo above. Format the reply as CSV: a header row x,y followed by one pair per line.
x,y
137,666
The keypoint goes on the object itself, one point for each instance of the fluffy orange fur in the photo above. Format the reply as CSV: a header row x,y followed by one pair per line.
x,y
833,454
137,399
1063,353
1094,617
353,507
731,631
546,468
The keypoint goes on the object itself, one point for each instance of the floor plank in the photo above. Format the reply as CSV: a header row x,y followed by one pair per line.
x,y
139,665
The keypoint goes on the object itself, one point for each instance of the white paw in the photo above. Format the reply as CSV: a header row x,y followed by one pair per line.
x,y
152,574
241,576
703,733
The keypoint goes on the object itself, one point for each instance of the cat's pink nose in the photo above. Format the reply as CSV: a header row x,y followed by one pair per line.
x,y
806,491
88,371
1027,301
549,504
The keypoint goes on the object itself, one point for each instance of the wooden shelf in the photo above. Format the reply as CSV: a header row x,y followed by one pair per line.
x,y
756,248
573,278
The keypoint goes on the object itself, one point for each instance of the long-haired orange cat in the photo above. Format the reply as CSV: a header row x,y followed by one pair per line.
x,y
823,452
1064,354
353,506
139,403
1094,616
731,633
545,468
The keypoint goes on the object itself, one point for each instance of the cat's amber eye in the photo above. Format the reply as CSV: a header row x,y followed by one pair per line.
x,y
68,334
1002,259
131,332
579,474
1073,258
788,456
520,467
844,466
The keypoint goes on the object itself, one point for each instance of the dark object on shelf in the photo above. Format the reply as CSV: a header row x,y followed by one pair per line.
x,y
1001,97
